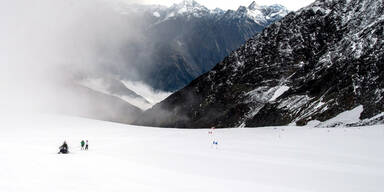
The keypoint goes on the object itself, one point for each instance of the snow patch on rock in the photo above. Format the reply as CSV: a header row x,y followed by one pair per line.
x,y
281,90
156,14
347,117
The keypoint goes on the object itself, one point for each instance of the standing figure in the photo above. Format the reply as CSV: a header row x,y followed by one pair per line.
x,y
86,145
63,148
82,144
215,143
211,132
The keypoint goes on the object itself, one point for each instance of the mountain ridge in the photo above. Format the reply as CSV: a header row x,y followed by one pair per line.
x,y
186,40
309,52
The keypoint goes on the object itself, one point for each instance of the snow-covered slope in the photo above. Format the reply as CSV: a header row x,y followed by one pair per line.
x,y
130,158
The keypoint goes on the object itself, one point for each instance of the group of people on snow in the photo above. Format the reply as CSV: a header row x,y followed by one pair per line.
x,y
64,149
84,143
211,133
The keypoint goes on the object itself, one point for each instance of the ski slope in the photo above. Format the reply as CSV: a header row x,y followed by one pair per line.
x,y
129,158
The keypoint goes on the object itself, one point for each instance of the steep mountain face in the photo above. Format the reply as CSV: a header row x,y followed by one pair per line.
x,y
186,40
314,64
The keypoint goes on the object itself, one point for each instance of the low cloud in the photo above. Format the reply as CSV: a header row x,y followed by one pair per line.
x,y
47,45
153,96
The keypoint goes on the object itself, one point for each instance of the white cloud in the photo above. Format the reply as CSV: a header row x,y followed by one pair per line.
x,y
44,43
146,91
151,96
231,4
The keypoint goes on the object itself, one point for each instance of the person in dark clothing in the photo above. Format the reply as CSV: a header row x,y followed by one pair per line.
x,y
86,145
82,144
63,148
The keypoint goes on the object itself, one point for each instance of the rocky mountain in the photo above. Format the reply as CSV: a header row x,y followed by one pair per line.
x,y
183,41
312,65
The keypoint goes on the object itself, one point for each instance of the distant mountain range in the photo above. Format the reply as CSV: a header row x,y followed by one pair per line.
x,y
181,42
173,46
170,47
315,65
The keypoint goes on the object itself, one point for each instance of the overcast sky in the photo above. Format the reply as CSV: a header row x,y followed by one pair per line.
x,y
234,4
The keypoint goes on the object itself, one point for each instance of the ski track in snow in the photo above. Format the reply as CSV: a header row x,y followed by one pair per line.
x,y
130,158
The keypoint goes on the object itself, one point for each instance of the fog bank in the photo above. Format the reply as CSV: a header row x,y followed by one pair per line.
x,y
48,45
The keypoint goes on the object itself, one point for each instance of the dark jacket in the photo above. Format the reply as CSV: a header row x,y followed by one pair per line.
x,y
64,146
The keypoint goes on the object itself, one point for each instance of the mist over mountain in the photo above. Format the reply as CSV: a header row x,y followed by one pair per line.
x,y
315,64
185,40
58,55
50,47
171,46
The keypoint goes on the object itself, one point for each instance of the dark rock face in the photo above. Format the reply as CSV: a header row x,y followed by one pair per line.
x,y
198,48
186,40
312,65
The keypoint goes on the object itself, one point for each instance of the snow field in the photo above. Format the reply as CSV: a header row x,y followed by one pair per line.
x,y
130,158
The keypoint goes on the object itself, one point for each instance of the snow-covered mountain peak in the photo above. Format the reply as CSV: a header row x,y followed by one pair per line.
x,y
217,11
189,7
253,5
260,14
190,3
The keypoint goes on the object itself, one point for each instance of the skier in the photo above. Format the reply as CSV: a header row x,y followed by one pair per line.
x,y
82,144
215,143
86,145
211,131
63,148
